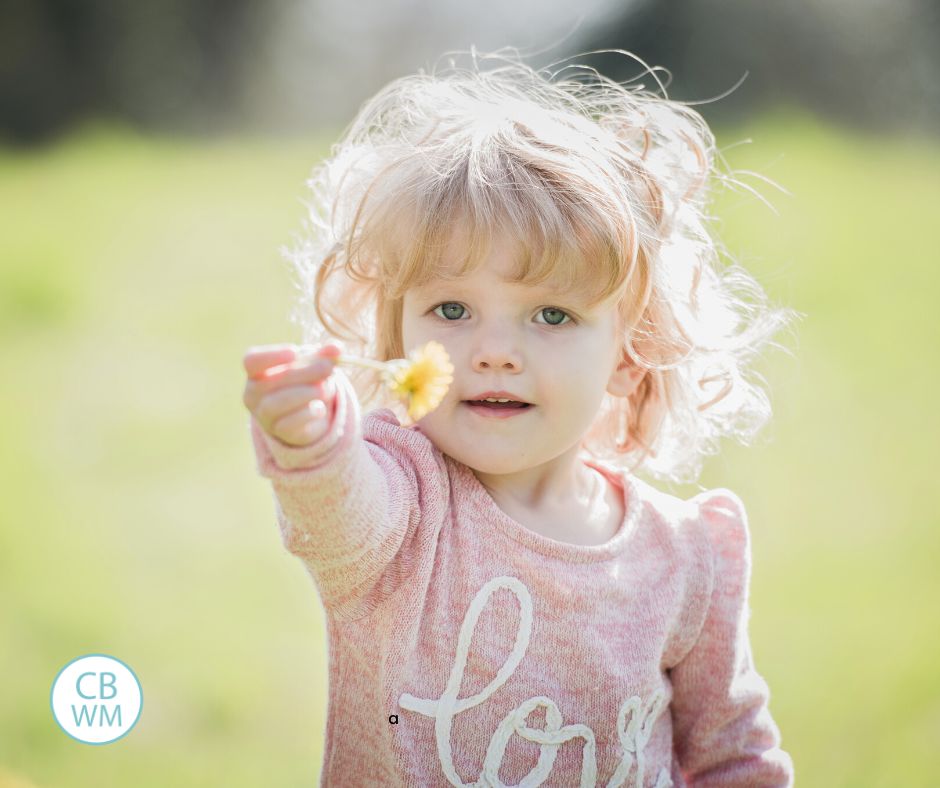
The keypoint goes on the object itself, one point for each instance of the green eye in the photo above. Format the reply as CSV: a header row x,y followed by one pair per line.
x,y
452,305
558,316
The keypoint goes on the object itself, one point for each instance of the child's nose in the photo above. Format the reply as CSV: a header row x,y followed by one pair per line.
x,y
497,361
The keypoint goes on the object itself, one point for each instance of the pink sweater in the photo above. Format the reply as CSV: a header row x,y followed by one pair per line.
x,y
466,649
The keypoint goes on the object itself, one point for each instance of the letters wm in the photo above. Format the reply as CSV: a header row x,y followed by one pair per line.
x,y
96,699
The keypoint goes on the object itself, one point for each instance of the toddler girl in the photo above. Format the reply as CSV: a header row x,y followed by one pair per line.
x,y
506,602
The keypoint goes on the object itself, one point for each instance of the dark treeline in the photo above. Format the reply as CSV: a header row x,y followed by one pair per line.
x,y
172,64
871,64
192,65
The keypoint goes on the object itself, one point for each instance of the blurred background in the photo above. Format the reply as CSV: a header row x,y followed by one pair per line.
x,y
152,164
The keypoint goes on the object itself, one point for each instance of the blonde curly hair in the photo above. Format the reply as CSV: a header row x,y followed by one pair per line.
x,y
597,182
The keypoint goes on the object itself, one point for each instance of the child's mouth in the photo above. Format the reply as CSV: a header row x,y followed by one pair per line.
x,y
485,404
497,409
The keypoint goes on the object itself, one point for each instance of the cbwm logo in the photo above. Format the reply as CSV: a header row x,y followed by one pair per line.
x,y
96,699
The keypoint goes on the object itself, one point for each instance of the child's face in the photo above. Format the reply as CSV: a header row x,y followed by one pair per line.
x,y
544,346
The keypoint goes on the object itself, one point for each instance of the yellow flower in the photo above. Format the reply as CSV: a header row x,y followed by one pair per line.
x,y
422,380
419,381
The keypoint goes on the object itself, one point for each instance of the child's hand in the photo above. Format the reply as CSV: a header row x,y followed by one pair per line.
x,y
291,403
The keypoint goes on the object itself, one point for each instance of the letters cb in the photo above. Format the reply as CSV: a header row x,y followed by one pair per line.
x,y
96,699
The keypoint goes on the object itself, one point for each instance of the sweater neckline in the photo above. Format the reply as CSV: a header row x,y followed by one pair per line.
x,y
482,501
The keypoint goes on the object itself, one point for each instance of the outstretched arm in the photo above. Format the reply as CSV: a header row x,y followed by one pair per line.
x,y
350,507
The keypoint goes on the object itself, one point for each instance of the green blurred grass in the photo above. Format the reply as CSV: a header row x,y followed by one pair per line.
x,y
136,271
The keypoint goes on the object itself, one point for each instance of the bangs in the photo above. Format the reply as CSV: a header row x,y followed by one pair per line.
x,y
555,240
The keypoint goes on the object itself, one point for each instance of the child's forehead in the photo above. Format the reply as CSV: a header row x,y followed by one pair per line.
x,y
504,258
474,280
477,284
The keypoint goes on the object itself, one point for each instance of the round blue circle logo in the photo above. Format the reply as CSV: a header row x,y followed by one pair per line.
x,y
96,699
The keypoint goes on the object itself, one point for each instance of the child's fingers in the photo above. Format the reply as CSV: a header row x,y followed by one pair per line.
x,y
279,403
331,350
258,388
293,374
304,425
259,358
277,385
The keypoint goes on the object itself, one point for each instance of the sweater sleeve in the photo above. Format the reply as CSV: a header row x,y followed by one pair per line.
x,y
723,732
359,509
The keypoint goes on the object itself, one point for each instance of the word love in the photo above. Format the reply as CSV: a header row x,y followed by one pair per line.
x,y
635,720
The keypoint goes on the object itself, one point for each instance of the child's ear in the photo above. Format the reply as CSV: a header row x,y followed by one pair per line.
x,y
625,378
